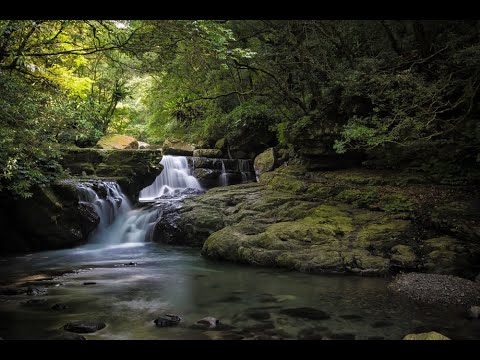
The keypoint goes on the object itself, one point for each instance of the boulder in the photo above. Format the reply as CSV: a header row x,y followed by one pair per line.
x,y
209,153
206,323
432,335
84,326
167,320
264,162
117,142
177,147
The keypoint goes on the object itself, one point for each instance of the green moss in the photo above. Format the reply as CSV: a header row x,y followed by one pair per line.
x,y
51,198
361,259
382,236
432,335
396,203
403,255
359,198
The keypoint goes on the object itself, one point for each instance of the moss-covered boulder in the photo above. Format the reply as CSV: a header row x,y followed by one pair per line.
x,y
117,142
339,221
177,147
266,161
208,153
432,335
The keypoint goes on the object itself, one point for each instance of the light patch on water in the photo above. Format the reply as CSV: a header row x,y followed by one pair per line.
x,y
144,305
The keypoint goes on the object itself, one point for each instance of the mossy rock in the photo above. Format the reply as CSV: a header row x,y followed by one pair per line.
x,y
432,335
403,255
266,161
117,142
208,153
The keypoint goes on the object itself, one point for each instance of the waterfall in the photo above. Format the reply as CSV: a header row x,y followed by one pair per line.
x,y
223,178
176,175
119,222
244,168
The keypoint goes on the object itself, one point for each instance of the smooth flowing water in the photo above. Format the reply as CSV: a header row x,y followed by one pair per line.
x,y
176,175
138,282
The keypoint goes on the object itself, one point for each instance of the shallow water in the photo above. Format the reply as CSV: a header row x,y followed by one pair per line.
x,y
178,280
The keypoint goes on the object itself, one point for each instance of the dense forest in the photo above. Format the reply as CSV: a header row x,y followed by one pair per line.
x,y
406,92
240,179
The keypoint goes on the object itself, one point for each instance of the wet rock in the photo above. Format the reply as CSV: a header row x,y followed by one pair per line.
x,y
380,324
131,263
167,320
306,313
35,302
69,336
375,338
258,315
283,298
477,279
260,327
37,291
10,290
89,283
340,336
266,298
432,335
474,312
229,299
351,317
84,326
59,307
315,333
206,323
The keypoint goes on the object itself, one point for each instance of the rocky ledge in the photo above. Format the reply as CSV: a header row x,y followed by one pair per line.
x,y
347,221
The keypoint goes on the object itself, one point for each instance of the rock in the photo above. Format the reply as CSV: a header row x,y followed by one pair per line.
x,y
59,307
220,144
131,263
209,153
426,336
474,312
10,290
177,147
167,320
477,279
264,162
84,326
258,315
69,336
375,338
37,291
315,333
143,145
35,302
306,313
381,323
117,142
339,336
437,289
206,323
89,283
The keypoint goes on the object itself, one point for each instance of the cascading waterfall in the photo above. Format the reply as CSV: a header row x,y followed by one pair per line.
x,y
244,168
175,176
119,222
223,178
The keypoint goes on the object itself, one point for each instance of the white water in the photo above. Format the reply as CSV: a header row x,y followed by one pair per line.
x,y
244,168
176,175
119,222
223,176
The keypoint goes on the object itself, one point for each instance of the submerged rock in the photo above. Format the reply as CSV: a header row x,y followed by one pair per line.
x,y
37,291
89,283
59,307
206,323
167,320
258,315
11,290
474,312
84,326
306,313
426,336
69,336
35,302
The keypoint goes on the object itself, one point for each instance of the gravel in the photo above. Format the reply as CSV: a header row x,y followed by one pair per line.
x,y
437,289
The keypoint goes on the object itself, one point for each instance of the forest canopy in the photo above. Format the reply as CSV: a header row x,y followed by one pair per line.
x,y
401,91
